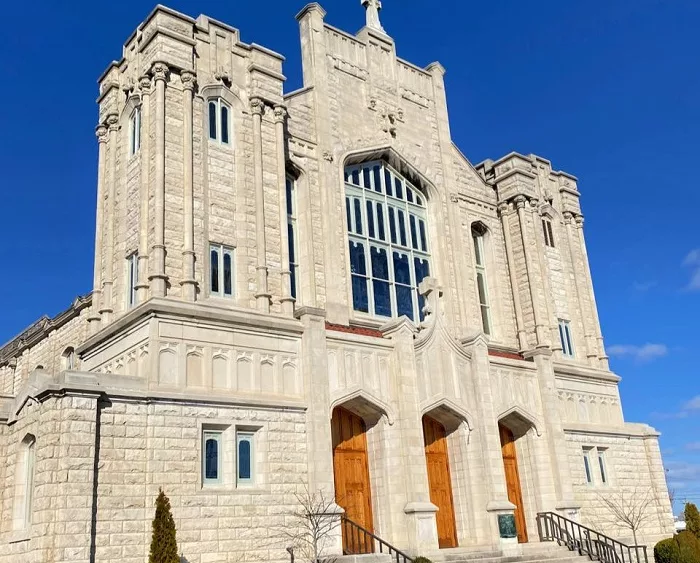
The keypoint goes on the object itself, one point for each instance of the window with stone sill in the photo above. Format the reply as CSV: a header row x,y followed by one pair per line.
x,y
68,358
24,483
595,466
212,457
219,121
548,232
135,131
245,459
478,237
291,197
221,271
228,457
567,342
388,241
132,278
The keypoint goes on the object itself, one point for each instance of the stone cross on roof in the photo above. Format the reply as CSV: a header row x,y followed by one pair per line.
x,y
372,8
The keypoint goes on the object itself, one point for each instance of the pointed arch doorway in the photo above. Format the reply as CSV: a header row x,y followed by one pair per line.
x,y
351,475
439,480
510,465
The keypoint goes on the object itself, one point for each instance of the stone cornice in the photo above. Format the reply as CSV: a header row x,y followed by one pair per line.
x,y
628,430
586,373
255,67
41,328
311,7
172,308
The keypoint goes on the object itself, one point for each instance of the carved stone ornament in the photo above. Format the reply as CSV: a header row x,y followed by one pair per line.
x,y
503,208
520,201
101,133
280,113
112,121
328,155
372,8
223,75
568,216
188,79
160,71
579,220
257,106
145,84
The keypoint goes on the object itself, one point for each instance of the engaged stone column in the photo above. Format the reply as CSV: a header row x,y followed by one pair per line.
x,y
188,282
107,306
287,299
94,318
262,296
602,356
505,210
142,285
520,203
158,278
591,352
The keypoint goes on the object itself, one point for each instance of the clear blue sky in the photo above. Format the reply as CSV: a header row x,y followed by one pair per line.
x,y
607,90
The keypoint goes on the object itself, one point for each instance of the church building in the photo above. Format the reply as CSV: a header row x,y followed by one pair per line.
x,y
313,291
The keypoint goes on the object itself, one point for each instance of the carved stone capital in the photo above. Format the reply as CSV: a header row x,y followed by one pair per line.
x,y
101,133
257,106
280,113
112,121
145,84
188,79
568,217
533,204
160,71
578,219
520,201
504,208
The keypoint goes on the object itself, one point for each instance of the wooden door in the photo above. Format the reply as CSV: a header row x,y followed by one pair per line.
x,y
351,474
510,464
439,480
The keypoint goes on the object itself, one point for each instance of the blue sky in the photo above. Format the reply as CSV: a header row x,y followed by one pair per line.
x,y
607,90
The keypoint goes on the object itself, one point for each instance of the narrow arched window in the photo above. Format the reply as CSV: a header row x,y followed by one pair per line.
x,y
24,483
478,237
387,230
68,358
219,121
135,131
292,234
548,232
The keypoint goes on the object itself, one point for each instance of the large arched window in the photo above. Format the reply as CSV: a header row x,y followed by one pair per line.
x,y
388,238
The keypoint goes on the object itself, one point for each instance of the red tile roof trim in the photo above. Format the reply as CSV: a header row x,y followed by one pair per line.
x,y
355,330
511,355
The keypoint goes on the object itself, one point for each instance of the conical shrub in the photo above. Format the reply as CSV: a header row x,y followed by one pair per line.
x,y
163,542
692,519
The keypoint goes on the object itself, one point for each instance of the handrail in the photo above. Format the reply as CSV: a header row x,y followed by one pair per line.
x,y
599,547
357,541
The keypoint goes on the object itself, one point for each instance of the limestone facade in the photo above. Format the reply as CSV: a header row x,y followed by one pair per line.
x,y
113,399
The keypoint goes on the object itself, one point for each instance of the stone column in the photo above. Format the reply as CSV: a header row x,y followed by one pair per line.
x,y
520,203
287,299
94,318
591,345
506,209
142,285
602,356
262,296
188,282
107,306
158,279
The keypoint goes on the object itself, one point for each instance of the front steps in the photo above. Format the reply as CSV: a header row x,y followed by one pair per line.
x,y
536,552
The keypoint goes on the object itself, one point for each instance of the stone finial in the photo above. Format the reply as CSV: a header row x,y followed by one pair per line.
x,y
372,8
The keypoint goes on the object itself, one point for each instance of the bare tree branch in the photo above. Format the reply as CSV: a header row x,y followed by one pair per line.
x,y
629,509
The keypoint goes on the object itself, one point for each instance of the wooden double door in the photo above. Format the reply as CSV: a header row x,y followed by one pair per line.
x,y
436,459
515,495
351,476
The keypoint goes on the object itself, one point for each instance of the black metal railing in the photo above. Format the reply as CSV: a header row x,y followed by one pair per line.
x,y
358,541
599,547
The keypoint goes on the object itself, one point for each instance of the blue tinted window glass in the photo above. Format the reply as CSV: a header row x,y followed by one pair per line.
x,y
290,236
399,189
422,269
392,225
360,300
224,124
402,227
380,263
214,271
381,235
290,195
414,237
423,238
227,274
404,301
357,258
370,220
365,177
355,177
382,298
402,272
387,182
212,120
409,194
211,459
293,280
244,459
377,179
348,212
358,216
